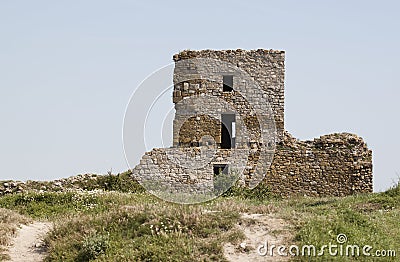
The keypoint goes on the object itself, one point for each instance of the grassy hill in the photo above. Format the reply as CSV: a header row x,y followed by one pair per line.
x,y
113,219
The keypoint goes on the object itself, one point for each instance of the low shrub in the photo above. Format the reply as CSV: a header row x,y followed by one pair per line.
x,y
260,192
93,246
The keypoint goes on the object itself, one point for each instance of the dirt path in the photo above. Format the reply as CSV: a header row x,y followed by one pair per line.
x,y
28,246
259,229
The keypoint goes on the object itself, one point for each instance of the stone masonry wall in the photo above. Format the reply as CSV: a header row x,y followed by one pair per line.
x,y
332,165
266,67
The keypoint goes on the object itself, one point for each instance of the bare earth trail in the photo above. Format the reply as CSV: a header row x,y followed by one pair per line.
x,y
28,246
258,229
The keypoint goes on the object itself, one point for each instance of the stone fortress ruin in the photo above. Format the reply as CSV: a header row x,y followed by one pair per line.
x,y
230,120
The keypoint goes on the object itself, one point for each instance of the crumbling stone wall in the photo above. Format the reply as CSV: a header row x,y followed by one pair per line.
x,y
331,165
169,170
335,165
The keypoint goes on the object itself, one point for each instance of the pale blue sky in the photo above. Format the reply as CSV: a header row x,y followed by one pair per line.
x,y
68,68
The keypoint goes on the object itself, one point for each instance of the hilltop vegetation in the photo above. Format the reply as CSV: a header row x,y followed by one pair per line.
x,y
115,220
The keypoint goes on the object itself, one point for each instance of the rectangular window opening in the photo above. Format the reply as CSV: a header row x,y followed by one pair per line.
x,y
227,83
220,169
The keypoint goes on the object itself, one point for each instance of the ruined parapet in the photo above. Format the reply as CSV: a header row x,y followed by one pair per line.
x,y
332,165
167,173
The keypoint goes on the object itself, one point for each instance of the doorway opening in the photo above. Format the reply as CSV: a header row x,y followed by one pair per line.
x,y
228,131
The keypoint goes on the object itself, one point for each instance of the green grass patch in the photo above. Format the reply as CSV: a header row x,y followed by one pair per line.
x,y
113,226
143,231
370,219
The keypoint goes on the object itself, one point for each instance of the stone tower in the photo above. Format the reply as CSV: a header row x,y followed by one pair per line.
x,y
230,118
266,67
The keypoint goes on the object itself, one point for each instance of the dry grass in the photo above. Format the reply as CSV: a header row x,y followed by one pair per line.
x,y
142,228
9,222
116,226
